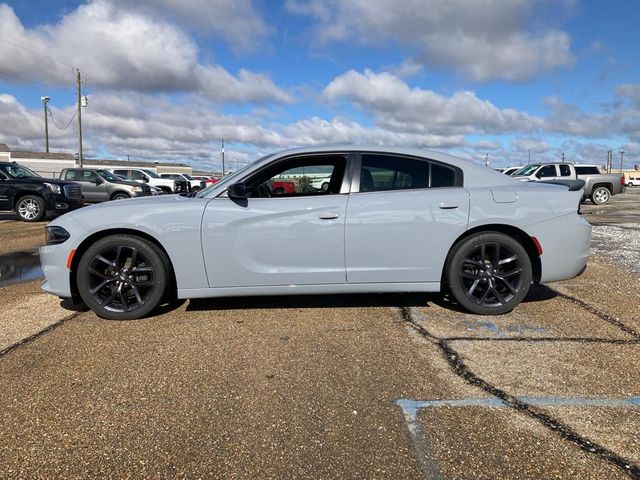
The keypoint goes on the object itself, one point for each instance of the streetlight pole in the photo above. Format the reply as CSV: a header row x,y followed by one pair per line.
x,y
486,160
223,157
622,152
46,123
79,121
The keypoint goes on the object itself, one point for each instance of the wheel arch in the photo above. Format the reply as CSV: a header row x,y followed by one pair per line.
x,y
520,235
606,185
172,288
119,192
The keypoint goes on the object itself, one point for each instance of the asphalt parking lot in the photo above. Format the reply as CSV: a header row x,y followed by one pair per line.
x,y
383,386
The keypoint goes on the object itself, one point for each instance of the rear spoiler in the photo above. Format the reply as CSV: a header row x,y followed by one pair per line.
x,y
573,185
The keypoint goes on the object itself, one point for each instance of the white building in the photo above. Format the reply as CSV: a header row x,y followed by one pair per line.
x,y
51,164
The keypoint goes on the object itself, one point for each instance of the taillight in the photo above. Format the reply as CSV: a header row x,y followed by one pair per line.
x,y
537,244
622,180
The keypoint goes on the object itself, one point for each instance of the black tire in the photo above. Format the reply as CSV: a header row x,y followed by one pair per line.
x,y
195,189
166,190
30,208
123,277
489,273
600,195
279,191
324,187
120,196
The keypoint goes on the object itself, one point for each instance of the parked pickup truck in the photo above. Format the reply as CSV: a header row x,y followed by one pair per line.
x,y
32,197
599,187
144,175
101,185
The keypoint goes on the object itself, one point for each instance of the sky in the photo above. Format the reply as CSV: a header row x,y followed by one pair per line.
x,y
167,80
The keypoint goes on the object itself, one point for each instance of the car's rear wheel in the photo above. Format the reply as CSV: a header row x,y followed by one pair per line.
x,y
30,208
123,277
489,273
600,195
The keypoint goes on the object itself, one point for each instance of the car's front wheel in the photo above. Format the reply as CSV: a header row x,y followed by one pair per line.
x,y
489,273
123,277
30,208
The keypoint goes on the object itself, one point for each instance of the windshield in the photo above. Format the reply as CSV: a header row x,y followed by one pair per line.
x,y
188,177
108,176
18,171
526,171
229,179
151,173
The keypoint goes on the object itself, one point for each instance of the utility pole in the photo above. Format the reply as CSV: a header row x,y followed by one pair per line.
x,y
46,123
79,121
562,157
486,160
223,157
622,152
128,158
529,159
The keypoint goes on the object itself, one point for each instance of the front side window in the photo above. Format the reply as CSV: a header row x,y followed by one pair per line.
x,y
547,171
306,176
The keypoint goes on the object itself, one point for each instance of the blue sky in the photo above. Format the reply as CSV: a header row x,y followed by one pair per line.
x,y
167,79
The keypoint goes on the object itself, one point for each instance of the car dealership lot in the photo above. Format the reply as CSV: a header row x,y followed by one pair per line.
x,y
334,386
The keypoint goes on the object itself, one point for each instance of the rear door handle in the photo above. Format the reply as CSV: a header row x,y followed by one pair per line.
x,y
448,206
328,216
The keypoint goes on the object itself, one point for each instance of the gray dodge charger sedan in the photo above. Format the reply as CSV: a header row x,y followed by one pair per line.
x,y
389,220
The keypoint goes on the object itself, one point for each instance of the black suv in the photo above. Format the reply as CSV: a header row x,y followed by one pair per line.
x,y
32,197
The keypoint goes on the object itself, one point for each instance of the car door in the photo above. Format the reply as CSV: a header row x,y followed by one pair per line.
x,y
5,193
87,180
288,238
404,214
548,172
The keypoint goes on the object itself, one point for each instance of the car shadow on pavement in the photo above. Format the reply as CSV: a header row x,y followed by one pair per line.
x,y
313,301
537,293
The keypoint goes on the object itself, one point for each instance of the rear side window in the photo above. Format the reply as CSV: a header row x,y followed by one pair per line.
x,y
587,170
565,171
390,172
70,175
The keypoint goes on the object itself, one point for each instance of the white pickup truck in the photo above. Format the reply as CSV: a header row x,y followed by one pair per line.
x,y
152,178
598,186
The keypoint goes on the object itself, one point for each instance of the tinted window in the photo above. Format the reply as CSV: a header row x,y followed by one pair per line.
x,y
547,171
442,176
565,170
587,170
387,172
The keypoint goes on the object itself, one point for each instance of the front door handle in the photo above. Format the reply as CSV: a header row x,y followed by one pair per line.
x,y
328,216
448,206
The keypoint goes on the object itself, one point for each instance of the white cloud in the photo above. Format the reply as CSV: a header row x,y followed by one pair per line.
x,y
236,21
125,50
484,40
398,107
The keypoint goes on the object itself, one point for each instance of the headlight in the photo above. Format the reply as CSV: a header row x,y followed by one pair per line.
x,y
55,235
136,189
54,188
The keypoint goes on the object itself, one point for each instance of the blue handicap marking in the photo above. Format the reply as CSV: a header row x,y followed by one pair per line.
x,y
420,442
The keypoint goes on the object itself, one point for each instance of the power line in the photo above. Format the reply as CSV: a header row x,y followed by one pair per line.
x,y
35,52
29,80
56,124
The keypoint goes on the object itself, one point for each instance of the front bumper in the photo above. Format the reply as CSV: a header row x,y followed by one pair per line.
x,y
59,204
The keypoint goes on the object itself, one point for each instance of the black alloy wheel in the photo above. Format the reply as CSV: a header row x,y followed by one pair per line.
x,y
489,273
123,277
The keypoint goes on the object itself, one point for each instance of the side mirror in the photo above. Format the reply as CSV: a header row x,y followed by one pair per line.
x,y
145,179
538,174
237,190
98,181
